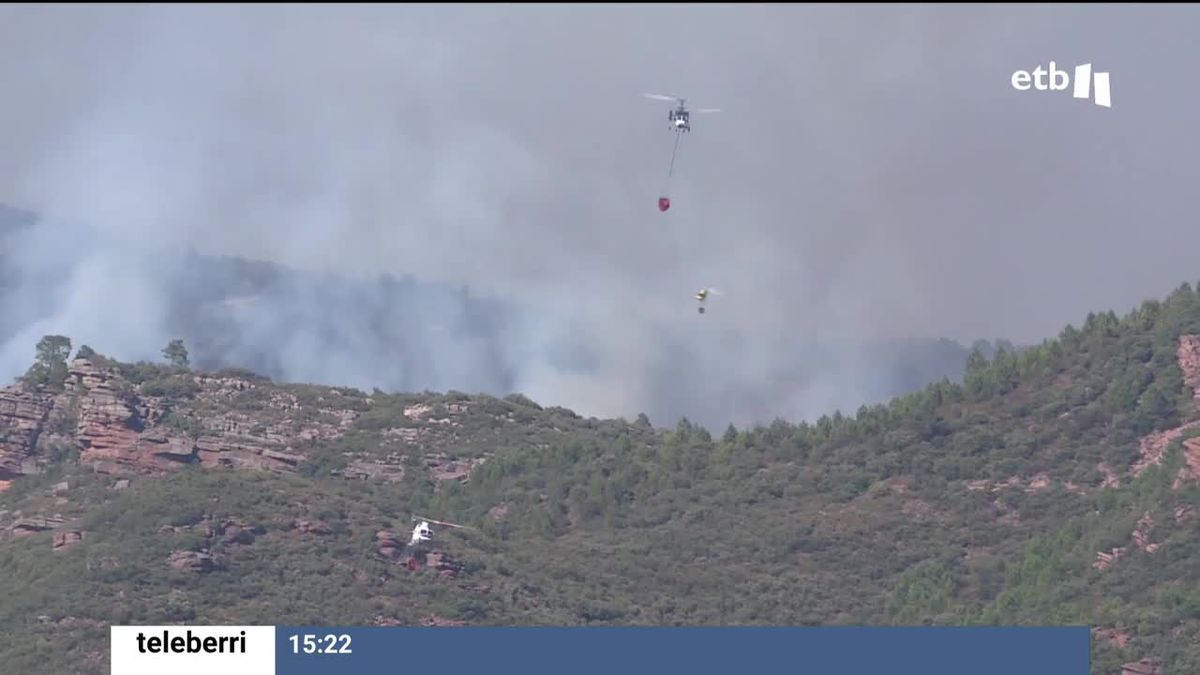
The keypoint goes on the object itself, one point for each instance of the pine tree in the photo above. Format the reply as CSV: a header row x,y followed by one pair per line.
x,y
176,353
49,368
731,434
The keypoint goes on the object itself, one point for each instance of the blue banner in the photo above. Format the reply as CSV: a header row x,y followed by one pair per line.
x,y
694,651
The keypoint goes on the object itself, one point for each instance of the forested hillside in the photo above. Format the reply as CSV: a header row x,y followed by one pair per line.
x,y
1055,484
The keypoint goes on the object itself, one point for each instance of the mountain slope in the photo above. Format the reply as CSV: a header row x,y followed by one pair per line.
x,y
1057,484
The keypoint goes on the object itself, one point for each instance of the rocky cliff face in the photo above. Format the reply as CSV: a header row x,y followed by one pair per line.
x,y
177,418
1154,446
109,428
118,429
1189,363
1152,449
1143,667
22,417
142,420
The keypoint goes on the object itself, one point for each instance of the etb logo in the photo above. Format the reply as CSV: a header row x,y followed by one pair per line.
x,y
1057,80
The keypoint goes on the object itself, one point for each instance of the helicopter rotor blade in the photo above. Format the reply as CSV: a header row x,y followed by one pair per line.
x,y
707,110
662,97
442,522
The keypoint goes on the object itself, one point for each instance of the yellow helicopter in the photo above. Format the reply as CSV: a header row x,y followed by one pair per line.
x,y
702,295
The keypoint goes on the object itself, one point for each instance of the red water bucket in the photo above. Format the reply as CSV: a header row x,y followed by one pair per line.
x,y
664,203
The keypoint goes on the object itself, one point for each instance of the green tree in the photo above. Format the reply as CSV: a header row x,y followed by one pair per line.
x,y
976,361
49,368
1007,371
683,430
1155,405
731,434
176,353
923,593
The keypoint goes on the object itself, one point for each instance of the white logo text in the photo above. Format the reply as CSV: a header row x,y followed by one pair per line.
x,y
1057,80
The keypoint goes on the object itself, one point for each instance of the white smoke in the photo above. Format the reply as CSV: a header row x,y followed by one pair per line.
x,y
871,177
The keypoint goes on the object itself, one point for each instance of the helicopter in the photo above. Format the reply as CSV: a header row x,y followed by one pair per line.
x,y
423,532
679,117
702,295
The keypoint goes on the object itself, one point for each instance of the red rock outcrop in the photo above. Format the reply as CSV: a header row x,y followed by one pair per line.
x,y
226,531
446,566
229,531
1111,480
1153,446
418,411
118,431
444,468
313,527
240,452
1144,667
65,540
1188,355
28,526
71,623
1191,463
1105,560
1141,541
1039,483
192,561
390,469
409,435
1115,637
1184,513
22,417
1141,534
109,426
388,545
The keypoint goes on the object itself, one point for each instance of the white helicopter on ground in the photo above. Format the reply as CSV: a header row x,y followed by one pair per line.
x,y
423,532
679,116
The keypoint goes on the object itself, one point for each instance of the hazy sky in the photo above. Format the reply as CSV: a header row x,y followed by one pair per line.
x,y
872,173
